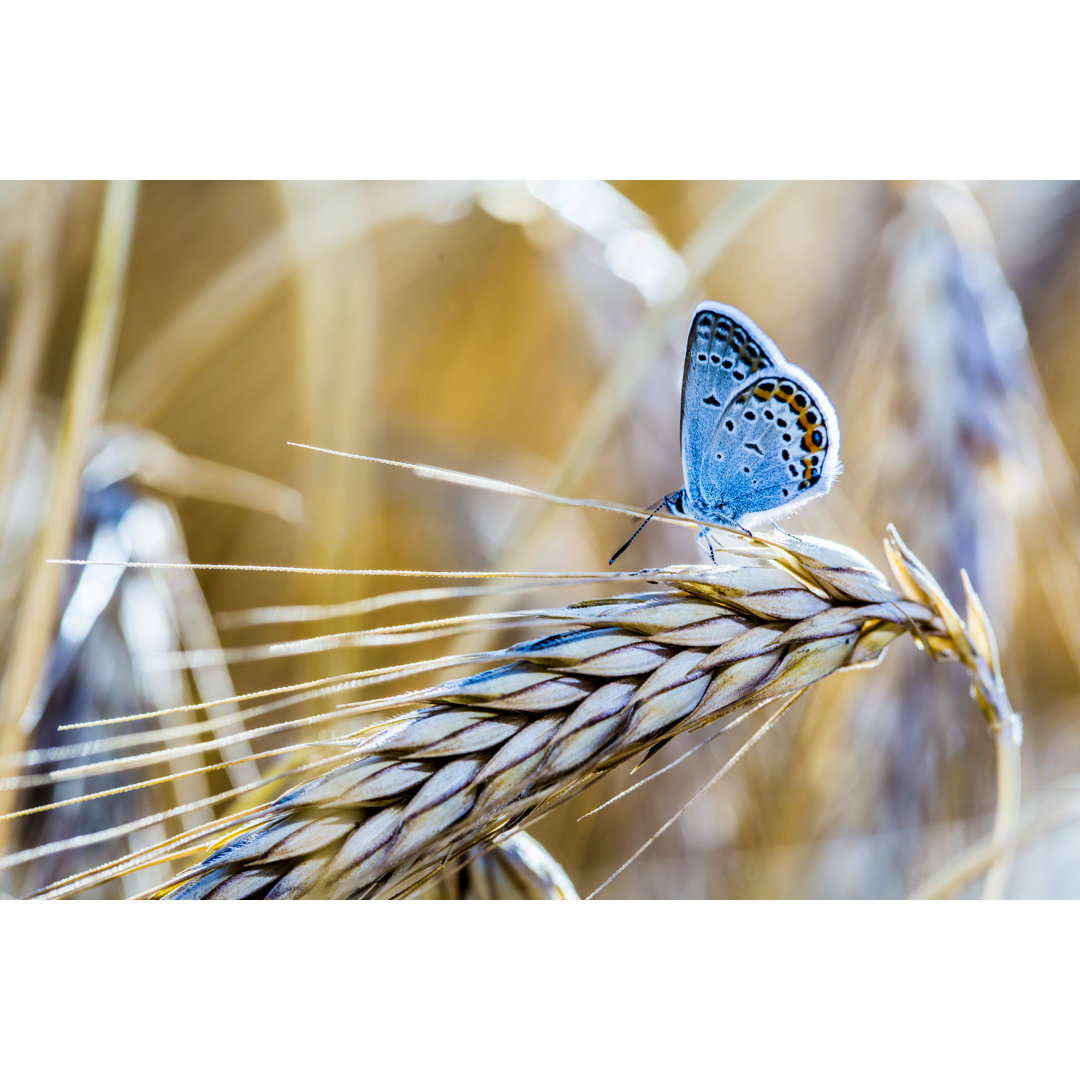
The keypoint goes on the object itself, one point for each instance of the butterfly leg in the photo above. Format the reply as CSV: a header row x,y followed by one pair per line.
x,y
704,541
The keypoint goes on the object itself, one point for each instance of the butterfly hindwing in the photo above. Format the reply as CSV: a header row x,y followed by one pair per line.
x,y
772,447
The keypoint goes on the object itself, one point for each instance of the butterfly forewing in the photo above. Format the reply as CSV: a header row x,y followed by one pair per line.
x,y
724,351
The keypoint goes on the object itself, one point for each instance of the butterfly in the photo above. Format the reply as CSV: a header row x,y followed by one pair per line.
x,y
759,436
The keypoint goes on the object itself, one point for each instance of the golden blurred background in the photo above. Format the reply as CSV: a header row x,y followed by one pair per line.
x,y
162,344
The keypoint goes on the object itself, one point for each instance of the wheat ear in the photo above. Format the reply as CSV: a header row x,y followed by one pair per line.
x,y
486,753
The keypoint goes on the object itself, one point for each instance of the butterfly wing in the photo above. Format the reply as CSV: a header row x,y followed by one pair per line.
x,y
724,352
776,445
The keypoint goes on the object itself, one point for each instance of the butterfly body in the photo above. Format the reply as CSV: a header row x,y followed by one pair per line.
x,y
759,436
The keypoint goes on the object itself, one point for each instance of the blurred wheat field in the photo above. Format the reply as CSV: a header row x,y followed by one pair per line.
x,y
163,343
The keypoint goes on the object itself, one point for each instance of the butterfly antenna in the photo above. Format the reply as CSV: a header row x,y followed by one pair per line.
x,y
636,531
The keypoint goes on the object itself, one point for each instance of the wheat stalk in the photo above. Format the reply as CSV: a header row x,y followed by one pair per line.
x,y
488,752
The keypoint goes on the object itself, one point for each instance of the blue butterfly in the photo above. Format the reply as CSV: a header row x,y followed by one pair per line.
x,y
759,436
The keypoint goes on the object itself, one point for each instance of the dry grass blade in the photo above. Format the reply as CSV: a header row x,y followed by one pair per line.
x,y
84,405
25,351
487,752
